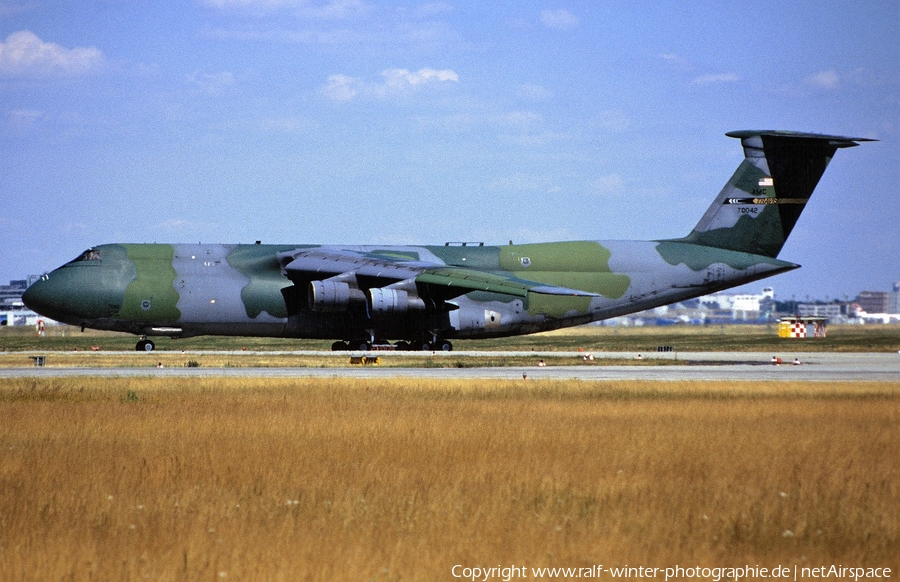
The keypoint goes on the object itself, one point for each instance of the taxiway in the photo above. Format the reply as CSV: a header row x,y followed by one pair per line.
x,y
694,366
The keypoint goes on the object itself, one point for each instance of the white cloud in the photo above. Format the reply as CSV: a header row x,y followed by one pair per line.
x,y
720,78
608,185
27,116
402,77
559,19
24,54
342,87
824,79
677,61
212,83
827,80
397,82
22,120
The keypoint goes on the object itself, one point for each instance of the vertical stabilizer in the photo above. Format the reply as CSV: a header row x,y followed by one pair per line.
x,y
758,207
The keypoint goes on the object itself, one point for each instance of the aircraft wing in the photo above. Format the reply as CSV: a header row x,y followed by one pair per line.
x,y
468,280
438,280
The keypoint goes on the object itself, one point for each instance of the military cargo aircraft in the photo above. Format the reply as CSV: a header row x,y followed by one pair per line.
x,y
425,296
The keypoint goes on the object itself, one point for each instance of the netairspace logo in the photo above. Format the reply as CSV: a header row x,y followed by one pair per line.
x,y
717,574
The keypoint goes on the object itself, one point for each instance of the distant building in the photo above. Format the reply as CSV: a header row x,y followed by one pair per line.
x,y
12,311
894,299
11,295
830,310
18,317
743,307
874,301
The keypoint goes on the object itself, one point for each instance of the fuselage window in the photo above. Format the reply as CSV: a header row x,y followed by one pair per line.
x,y
88,255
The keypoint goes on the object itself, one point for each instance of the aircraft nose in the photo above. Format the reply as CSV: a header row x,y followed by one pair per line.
x,y
77,295
48,297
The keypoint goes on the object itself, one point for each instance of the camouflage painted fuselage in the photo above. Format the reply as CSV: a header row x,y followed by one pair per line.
x,y
426,295
186,290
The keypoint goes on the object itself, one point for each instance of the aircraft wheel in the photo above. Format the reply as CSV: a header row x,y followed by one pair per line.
x,y
145,346
340,347
444,346
364,346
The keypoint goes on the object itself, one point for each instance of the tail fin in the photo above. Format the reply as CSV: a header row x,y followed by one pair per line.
x,y
759,206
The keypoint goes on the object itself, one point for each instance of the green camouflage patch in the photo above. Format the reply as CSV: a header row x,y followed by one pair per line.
x,y
582,265
556,306
151,297
259,263
698,257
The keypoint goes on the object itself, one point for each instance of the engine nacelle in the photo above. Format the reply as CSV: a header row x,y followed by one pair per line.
x,y
393,299
329,296
384,300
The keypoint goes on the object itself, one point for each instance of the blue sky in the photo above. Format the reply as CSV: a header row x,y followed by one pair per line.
x,y
354,121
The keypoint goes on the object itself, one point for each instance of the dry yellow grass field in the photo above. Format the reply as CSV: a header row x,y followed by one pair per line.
x,y
326,479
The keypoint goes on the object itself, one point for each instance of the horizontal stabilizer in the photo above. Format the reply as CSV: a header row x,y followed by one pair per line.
x,y
837,141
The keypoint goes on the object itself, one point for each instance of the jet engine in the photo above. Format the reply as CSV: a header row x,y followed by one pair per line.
x,y
383,300
387,300
330,296
336,295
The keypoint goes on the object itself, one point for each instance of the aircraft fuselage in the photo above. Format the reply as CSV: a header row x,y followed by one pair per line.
x,y
183,290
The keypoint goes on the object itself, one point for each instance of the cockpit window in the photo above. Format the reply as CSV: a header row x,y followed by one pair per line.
x,y
88,255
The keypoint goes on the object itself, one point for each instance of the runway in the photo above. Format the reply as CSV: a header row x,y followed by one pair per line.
x,y
695,366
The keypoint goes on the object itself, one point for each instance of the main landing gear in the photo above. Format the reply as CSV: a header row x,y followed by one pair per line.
x,y
438,346
402,346
435,346
145,345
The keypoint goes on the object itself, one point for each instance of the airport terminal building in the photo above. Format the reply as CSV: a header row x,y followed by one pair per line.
x,y
12,311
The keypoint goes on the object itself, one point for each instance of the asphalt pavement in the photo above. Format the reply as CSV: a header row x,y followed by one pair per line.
x,y
692,366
